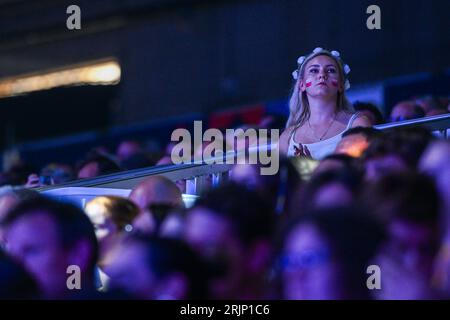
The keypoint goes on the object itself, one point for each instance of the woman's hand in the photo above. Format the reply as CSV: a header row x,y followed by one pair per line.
x,y
302,151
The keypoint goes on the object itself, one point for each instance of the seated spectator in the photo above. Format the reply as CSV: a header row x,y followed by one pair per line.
x,y
232,228
96,165
157,269
325,255
138,160
355,141
430,103
53,173
435,163
11,197
17,175
370,111
112,217
408,205
335,161
155,193
406,110
47,237
15,282
436,112
278,188
128,148
395,151
333,188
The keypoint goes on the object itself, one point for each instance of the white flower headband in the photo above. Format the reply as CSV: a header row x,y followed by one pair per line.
x,y
334,53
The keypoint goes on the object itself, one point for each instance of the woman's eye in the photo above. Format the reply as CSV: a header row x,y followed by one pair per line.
x,y
331,70
313,70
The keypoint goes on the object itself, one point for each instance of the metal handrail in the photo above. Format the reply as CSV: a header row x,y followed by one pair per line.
x,y
433,123
193,172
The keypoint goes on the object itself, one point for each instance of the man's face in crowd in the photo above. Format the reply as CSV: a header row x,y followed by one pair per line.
x,y
34,241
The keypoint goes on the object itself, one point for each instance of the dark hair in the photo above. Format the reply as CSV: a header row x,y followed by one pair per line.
x,y
366,106
410,196
105,164
408,143
347,161
368,132
354,238
17,174
15,282
71,222
165,256
250,213
351,179
139,160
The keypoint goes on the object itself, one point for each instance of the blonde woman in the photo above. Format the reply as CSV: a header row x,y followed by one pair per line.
x,y
319,110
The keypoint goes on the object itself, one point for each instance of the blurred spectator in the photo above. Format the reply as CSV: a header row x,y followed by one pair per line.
x,y
15,282
17,175
429,104
332,188
158,193
435,162
138,160
355,141
158,269
232,227
325,255
406,110
395,151
112,217
53,173
335,161
47,237
436,112
127,149
408,205
277,189
96,165
370,111
9,198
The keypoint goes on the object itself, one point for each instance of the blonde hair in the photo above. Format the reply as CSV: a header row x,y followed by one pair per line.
x,y
299,110
120,210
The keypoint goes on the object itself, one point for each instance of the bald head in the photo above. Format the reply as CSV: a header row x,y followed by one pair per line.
x,y
156,190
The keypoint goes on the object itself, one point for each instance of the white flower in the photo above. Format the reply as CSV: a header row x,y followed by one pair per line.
x,y
295,74
335,53
347,69
300,60
347,85
318,49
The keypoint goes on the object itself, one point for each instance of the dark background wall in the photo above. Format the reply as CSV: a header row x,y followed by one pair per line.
x,y
185,56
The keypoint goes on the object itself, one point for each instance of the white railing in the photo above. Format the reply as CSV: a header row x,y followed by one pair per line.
x,y
196,174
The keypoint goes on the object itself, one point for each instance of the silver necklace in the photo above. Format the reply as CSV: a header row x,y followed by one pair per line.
x,y
326,131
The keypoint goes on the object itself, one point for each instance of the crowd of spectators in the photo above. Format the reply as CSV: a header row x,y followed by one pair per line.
x,y
381,199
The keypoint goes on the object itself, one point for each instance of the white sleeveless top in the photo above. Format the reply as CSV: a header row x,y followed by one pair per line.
x,y
320,149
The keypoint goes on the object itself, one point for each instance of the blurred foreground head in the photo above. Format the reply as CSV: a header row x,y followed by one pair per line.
x,y
325,255
48,236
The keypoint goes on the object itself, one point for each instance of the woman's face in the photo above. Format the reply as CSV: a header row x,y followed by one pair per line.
x,y
308,269
321,77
